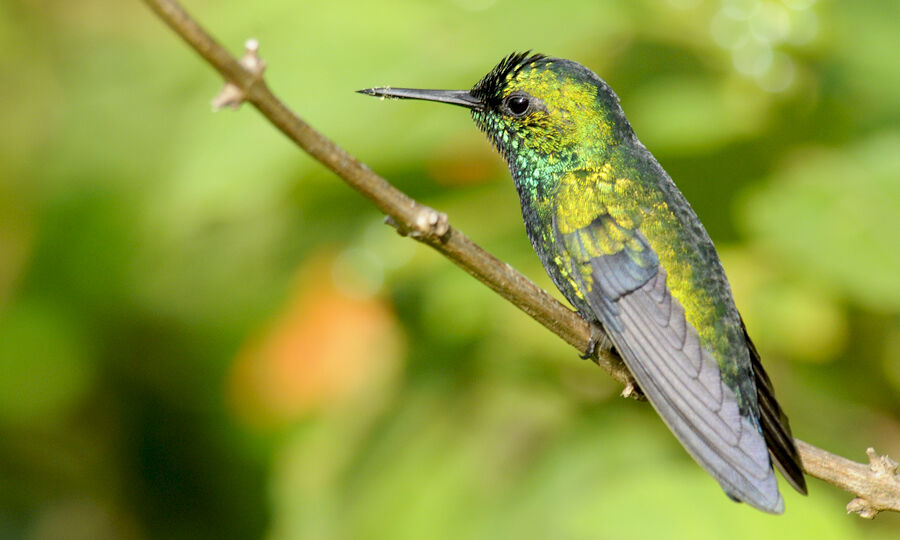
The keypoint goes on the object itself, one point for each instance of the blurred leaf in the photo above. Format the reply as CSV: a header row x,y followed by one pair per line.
x,y
686,115
16,239
833,215
784,313
45,368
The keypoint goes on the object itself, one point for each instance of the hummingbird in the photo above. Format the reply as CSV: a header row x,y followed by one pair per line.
x,y
625,247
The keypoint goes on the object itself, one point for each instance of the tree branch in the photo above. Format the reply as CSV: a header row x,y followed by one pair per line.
x,y
876,485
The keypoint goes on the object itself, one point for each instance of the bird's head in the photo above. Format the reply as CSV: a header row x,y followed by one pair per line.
x,y
533,107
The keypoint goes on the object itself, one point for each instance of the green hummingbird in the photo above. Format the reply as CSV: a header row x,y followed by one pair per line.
x,y
623,245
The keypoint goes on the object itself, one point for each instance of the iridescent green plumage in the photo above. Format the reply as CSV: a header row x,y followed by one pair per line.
x,y
623,245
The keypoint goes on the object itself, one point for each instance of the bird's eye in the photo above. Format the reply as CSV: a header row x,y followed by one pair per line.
x,y
517,105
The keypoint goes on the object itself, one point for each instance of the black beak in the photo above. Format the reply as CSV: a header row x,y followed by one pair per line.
x,y
463,98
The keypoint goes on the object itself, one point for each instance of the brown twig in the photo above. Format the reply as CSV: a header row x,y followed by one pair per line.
x,y
876,485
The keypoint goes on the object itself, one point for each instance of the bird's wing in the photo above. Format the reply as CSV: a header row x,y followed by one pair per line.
x,y
621,279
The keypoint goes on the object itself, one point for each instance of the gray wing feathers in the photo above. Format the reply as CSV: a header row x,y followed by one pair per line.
x,y
682,381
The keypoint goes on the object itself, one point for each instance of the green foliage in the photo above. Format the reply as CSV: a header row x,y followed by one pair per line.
x,y
842,210
205,334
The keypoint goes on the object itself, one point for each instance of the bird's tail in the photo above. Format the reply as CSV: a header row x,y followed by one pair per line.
x,y
775,426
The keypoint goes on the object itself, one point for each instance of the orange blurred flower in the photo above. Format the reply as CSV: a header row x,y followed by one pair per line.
x,y
323,349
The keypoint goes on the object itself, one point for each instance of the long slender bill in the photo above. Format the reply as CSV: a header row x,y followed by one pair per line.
x,y
463,98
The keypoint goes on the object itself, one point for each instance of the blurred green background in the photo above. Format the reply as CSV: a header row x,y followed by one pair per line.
x,y
204,334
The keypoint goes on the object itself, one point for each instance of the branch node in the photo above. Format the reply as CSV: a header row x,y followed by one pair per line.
x,y
232,95
427,223
431,223
251,59
881,465
883,478
390,221
862,507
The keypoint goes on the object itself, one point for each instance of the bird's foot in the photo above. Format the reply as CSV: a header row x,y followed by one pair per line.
x,y
598,334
